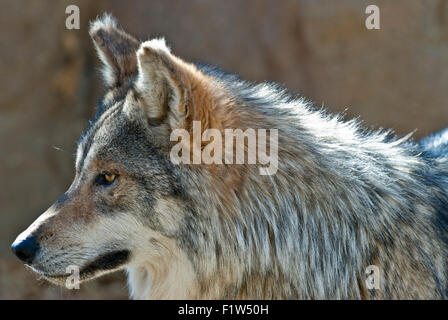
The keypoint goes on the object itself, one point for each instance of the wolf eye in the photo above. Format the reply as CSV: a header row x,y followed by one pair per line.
x,y
106,178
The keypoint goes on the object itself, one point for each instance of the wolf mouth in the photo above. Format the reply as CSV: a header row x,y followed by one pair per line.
x,y
106,262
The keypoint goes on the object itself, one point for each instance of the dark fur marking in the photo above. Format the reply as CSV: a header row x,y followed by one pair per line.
x,y
92,131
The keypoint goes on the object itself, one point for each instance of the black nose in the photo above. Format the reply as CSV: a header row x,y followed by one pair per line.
x,y
25,249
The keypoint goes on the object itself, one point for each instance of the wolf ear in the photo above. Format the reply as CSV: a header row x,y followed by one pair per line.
x,y
115,48
163,83
172,91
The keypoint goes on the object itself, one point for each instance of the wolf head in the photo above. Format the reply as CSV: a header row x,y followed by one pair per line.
x,y
126,203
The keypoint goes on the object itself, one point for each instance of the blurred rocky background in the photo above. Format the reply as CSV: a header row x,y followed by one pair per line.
x,y
393,77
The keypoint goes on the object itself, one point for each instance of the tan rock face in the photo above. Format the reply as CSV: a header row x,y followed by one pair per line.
x,y
394,77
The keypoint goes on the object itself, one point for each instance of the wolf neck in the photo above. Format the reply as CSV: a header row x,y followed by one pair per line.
x,y
169,277
310,230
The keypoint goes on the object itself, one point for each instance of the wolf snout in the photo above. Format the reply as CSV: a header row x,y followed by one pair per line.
x,y
25,249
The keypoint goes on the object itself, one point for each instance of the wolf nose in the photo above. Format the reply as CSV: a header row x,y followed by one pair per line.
x,y
25,249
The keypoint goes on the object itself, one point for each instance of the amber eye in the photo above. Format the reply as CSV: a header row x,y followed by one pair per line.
x,y
110,177
106,178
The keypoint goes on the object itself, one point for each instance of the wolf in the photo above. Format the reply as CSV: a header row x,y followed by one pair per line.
x,y
344,200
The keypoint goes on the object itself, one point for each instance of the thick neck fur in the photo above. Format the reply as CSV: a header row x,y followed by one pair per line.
x,y
342,199
166,277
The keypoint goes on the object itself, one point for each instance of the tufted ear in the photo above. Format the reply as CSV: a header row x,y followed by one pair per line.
x,y
115,48
176,92
164,84
169,91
